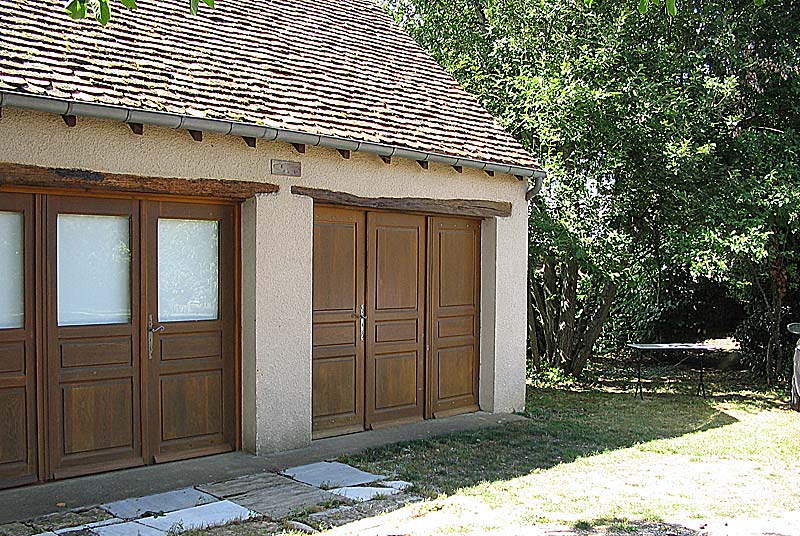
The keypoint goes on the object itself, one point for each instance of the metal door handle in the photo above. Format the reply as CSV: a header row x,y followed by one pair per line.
x,y
363,317
150,331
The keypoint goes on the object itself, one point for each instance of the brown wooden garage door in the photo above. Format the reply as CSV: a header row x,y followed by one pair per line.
x,y
384,284
117,333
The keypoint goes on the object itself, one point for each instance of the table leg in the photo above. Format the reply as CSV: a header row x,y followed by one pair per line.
x,y
639,391
701,386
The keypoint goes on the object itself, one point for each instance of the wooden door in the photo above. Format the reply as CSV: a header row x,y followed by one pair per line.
x,y
93,364
338,338
18,434
454,297
395,347
190,330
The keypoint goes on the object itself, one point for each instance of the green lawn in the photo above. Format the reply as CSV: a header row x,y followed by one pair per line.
x,y
592,455
592,460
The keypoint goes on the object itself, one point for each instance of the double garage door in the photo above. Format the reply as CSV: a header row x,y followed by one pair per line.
x,y
396,318
117,333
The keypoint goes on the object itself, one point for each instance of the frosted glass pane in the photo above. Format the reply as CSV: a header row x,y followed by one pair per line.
x,y
188,270
12,275
94,270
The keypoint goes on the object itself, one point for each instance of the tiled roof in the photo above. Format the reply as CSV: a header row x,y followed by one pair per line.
x,y
329,67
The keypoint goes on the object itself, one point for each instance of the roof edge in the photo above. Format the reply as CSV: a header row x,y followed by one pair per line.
x,y
124,114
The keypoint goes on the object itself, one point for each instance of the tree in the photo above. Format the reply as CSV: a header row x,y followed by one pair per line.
x,y
638,119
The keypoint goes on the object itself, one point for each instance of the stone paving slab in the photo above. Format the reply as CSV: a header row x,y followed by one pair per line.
x,y
269,494
129,528
400,485
158,503
362,494
330,475
72,531
199,517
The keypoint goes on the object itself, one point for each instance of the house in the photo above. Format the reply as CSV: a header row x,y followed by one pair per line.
x,y
272,222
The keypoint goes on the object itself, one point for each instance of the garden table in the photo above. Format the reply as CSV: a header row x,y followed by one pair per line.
x,y
640,348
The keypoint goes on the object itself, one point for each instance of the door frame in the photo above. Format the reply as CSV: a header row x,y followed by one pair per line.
x,y
36,299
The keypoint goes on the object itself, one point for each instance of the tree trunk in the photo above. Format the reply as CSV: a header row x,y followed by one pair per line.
x,y
566,317
532,337
595,327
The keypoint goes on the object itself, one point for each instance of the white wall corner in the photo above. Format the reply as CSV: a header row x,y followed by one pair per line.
x,y
503,313
283,308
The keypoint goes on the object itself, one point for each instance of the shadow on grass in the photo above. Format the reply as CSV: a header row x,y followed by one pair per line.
x,y
563,425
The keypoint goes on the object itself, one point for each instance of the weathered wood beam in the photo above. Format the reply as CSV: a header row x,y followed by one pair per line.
x,y
345,153
386,159
69,120
197,135
299,147
250,141
42,177
423,164
460,207
137,128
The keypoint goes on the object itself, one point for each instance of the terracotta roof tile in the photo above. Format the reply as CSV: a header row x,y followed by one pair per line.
x,y
329,67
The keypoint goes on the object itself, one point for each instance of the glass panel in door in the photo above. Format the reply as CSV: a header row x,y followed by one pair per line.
x,y
12,302
188,270
94,269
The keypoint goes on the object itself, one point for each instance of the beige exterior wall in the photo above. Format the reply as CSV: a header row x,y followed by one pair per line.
x,y
277,248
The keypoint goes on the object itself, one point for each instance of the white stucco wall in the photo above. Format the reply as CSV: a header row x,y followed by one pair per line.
x,y
277,248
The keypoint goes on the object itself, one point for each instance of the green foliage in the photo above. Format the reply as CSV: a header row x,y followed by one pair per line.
x,y
101,9
670,142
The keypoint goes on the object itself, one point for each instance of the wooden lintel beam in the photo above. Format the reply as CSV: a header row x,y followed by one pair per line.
x,y
69,120
423,164
345,153
197,135
459,169
42,177
459,207
299,147
250,141
386,159
137,128
489,172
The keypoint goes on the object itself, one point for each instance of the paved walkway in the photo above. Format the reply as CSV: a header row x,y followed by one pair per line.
x,y
33,501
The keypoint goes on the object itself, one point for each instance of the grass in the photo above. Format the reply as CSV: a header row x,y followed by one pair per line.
x,y
592,460
593,455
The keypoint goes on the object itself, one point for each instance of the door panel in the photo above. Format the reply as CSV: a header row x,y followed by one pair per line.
x,y
93,370
338,344
395,317
190,313
454,297
18,434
